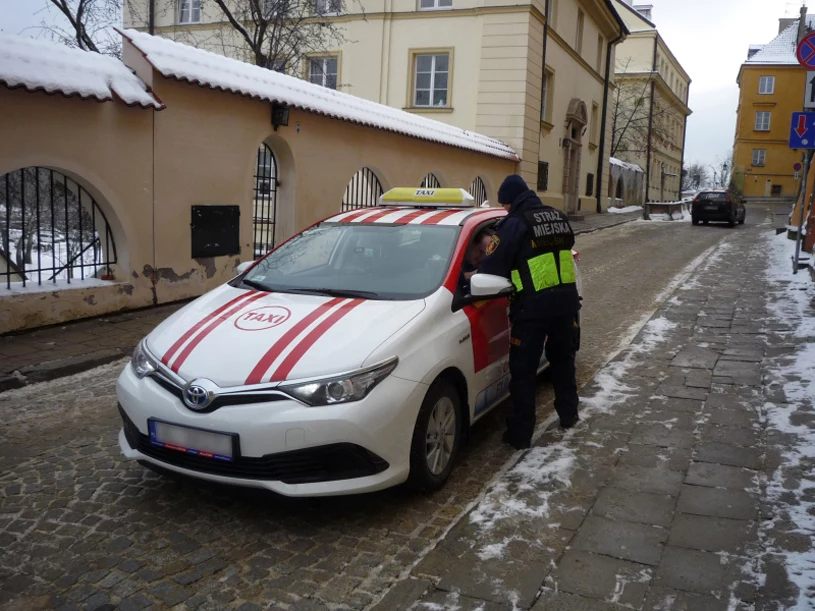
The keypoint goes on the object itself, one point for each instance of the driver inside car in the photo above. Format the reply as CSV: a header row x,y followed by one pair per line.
x,y
472,258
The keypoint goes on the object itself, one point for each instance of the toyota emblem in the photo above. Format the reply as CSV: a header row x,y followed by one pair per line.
x,y
196,397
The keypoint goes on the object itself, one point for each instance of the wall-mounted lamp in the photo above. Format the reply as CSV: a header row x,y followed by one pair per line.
x,y
280,115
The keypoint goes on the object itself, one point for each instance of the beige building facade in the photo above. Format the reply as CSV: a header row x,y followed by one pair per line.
x,y
650,75
493,67
141,175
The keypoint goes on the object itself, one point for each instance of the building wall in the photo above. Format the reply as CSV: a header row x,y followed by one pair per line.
x,y
205,145
497,65
644,57
780,159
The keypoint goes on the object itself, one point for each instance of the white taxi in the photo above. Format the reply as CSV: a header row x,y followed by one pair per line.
x,y
349,359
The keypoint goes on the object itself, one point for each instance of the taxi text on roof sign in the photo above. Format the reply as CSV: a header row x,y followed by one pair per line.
x,y
428,198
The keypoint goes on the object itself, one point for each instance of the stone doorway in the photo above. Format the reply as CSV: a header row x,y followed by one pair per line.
x,y
576,122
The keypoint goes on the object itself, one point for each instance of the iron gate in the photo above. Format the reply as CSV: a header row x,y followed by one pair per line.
x,y
430,182
265,202
51,227
479,191
363,191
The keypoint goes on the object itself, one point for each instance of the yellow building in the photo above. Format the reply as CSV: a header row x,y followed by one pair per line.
x,y
650,110
491,66
771,84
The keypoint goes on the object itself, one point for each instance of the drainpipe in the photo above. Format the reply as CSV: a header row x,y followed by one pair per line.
x,y
682,163
151,17
543,76
650,127
600,163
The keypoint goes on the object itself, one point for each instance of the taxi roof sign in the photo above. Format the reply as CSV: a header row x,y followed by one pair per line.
x,y
428,198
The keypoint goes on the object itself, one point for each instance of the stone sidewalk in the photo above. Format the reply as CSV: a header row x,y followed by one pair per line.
x,y
675,493
49,353
52,352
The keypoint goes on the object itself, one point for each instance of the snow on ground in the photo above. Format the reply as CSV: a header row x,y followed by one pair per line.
x,y
525,490
790,487
626,210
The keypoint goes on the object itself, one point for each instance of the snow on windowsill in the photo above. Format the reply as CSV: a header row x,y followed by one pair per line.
x,y
31,286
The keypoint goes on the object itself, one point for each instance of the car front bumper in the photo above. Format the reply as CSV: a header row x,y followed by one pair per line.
x,y
284,446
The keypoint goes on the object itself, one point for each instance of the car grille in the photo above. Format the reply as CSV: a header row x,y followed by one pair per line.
x,y
307,466
221,400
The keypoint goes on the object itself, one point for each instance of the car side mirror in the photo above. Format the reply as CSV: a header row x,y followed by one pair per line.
x,y
487,286
242,267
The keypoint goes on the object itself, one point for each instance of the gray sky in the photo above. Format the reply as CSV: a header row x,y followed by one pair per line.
x,y
709,37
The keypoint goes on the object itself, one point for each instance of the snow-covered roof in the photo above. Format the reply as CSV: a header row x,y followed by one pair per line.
x,y
39,65
625,165
781,50
175,60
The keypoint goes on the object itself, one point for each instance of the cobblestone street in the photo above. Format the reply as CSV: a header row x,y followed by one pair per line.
x,y
82,529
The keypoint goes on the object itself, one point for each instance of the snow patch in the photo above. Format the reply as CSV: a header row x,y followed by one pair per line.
x,y
543,471
43,65
182,62
626,210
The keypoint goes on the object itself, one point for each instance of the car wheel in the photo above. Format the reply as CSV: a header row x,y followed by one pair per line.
x,y
436,437
741,222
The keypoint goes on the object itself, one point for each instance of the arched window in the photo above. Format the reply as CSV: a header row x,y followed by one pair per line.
x,y
265,201
51,229
363,191
430,182
479,191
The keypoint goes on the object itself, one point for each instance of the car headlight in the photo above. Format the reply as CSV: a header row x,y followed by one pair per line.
x,y
353,386
142,363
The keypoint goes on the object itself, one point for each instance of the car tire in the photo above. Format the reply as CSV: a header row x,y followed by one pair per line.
x,y
441,399
741,222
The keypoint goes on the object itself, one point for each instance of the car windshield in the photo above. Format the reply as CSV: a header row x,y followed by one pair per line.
x,y
372,261
713,197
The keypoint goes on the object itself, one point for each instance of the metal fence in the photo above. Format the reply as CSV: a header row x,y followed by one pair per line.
x,y
265,202
51,229
430,182
479,191
363,191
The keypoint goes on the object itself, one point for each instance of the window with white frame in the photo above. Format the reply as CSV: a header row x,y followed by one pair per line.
x,y
766,85
432,80
429,5
763,121
759,157
323,71
328,7
189,11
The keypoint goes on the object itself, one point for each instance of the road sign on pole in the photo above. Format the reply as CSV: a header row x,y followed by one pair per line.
x,y
802,130
806,51
809,99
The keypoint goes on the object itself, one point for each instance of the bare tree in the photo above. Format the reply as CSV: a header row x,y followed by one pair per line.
x,y
695,177
634,115
88,25
281,34
722,171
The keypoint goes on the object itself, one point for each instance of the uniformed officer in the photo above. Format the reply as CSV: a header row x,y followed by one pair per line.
x,y
532,247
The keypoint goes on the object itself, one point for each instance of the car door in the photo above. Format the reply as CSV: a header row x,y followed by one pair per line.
x,y
490,334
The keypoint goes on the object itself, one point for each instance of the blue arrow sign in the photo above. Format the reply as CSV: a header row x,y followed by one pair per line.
x,y
802,130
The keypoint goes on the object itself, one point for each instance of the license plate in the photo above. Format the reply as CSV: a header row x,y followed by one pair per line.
x,y
196,442
712,207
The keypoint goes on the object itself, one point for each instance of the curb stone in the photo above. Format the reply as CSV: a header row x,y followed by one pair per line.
x,y
52,370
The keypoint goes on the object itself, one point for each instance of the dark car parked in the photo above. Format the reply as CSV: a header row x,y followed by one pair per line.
x,y
718,205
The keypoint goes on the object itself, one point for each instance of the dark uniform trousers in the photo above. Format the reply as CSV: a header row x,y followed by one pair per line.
x,y
526,349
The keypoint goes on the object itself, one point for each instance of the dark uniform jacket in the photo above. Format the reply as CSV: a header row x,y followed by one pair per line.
x,y
512,246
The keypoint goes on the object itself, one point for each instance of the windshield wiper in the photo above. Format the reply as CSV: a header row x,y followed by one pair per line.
x,y
335,292
256,285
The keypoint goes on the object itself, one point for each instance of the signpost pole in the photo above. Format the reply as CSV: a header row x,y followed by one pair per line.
x,y
807,165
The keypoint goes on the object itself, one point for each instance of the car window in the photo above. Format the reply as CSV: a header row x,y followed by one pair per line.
x,y
383,261
713,197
